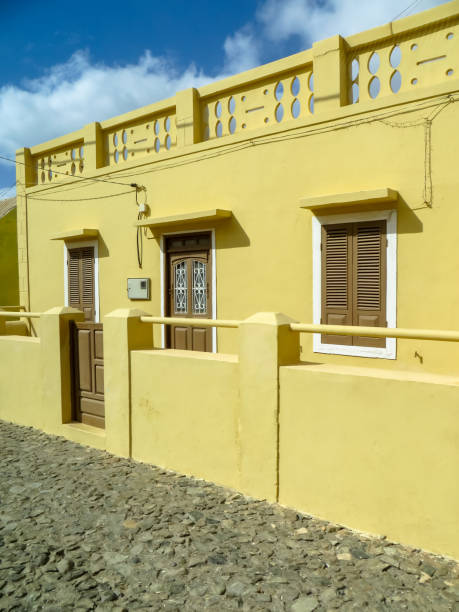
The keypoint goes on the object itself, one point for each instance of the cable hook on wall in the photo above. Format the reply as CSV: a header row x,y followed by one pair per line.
x,y
141,206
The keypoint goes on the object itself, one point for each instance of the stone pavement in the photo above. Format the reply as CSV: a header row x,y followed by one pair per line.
x,y
83,530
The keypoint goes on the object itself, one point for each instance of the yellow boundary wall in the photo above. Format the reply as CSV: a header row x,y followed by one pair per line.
x,y
371,449
374,451
19,380
185,413
35,385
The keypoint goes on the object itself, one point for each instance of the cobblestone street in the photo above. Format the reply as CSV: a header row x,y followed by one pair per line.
x,y
80,529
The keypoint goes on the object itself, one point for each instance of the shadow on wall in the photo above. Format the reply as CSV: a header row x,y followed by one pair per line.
x,y
232,235
229,234
103,248
408,222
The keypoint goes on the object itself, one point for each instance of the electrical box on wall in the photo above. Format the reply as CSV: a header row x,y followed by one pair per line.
x,y
138,288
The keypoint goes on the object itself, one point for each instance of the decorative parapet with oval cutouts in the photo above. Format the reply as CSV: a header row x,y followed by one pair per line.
x,y
58,164
149,137
277,99
405,62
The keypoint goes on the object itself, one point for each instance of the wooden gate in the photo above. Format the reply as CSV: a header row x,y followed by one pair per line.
x,y
88,373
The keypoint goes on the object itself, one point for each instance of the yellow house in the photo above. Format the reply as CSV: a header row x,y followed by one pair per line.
x,y
323,186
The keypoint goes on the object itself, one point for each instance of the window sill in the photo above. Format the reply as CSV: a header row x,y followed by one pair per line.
x,y
389,352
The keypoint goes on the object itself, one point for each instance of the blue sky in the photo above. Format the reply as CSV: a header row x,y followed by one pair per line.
x,y
64,65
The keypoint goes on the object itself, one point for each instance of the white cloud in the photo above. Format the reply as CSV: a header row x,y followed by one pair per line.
x,y
77,92
242,51
311,20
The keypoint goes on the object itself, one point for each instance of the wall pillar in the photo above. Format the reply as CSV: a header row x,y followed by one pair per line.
x,y
55,363
266,342
188,117
94,147
26,176
330,74
123,332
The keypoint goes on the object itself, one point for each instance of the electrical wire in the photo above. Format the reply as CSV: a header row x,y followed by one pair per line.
x,y
139,243
382,118
411,6
298,133
112,195
139,238
78,178
426,123
309,131
5,191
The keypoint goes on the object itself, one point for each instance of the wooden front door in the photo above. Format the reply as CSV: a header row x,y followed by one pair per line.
x,y
189,274
88,373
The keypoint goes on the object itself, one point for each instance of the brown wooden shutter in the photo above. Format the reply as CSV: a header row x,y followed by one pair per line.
x,y
369,272
336,279
354,279
87,277
81,280
74,278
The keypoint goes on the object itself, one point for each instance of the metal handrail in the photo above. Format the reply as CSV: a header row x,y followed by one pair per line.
x,y
377,332
339,330
26,315
191,322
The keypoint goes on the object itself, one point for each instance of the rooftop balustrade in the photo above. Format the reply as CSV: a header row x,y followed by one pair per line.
x,y
415,57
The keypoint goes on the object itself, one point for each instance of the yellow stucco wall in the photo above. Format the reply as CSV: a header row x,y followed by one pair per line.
x,y
264,254
19,382
185,413
374,451
9,279
35,380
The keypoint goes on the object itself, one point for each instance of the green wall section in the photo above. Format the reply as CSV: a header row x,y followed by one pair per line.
x,y
9,278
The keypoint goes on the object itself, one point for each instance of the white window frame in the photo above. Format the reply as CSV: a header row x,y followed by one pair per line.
x,y
390,216
77,245
214,280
